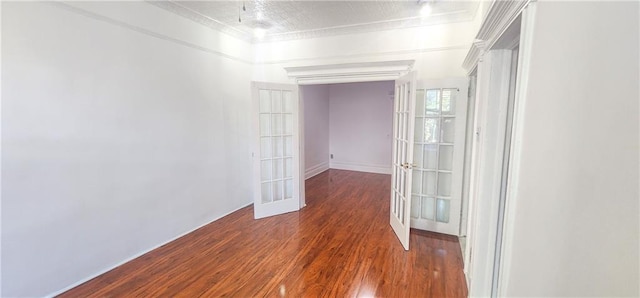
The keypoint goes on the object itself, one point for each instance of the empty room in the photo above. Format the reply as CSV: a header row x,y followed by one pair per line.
x,y
429,148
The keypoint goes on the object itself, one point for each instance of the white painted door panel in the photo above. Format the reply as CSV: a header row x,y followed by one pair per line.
x,y
276,156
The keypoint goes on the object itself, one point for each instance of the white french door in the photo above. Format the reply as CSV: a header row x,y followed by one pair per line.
x,y
403,123
439,135
276,156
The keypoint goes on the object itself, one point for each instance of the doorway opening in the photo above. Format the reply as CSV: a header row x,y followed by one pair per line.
x,y
432,150
350,126
347,126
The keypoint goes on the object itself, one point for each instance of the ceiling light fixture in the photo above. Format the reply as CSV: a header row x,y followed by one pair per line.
x,y
425,11
259,33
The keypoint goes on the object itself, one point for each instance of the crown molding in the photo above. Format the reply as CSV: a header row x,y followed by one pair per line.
x,y
176,8
126,25
500,15
404,23
349,72
364,56
473,56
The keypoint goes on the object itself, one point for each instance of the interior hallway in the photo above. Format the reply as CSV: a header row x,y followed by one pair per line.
x,y
340,245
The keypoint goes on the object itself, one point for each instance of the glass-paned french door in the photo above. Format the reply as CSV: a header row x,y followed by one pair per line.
x,y
437,160
403,122
276,156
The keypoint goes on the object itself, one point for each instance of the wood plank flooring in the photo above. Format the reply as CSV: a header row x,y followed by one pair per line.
x,y
340,245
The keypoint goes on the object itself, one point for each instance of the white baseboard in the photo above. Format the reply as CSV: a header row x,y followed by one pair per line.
x,y
56,293
358,167
315,170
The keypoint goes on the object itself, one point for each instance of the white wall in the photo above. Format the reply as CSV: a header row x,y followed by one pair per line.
x,y
119,133
316,128
361,126
438,50
575,219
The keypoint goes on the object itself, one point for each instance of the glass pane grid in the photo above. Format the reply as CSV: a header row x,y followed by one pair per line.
x,y
433,154
276,144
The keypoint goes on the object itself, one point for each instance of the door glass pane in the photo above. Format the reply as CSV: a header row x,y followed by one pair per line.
x,y
432,102
420,102
446,157
443,211
277,190
396,157
429,183
396,95
403,126
401,98
276,124
277,147
288,189
397,131
449,101
419,130
394,206
287,102
448,130
265,147
415,206
430,160
401,210
277,168
417,155
288,167
266,192
288,146
402,185
265,101
431,130
428,208
276,101
265,170
417,182
288,124
444,184
265,127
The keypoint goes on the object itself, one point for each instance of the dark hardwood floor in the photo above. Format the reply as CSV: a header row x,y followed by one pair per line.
x,y
340,245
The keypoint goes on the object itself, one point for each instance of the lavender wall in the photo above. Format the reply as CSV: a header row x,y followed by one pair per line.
x,y
316,128
360,116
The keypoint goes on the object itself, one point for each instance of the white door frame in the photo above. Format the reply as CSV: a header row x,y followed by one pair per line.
x,y
491,58
468,150
524,58
334,74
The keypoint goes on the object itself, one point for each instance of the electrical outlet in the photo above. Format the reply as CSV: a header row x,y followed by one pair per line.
x,y
331,155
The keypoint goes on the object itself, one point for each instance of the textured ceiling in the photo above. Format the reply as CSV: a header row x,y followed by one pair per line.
x,y
285,20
